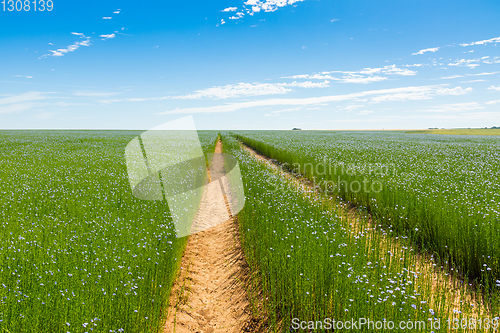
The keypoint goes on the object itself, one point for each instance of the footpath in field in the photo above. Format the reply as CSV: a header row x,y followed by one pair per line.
x,y
210,295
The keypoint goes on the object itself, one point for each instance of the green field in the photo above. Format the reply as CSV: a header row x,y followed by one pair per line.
x,y
443,191
459,131
79,253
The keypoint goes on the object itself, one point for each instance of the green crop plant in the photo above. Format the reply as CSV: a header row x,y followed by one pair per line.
x,y
442,191
79,253
312,263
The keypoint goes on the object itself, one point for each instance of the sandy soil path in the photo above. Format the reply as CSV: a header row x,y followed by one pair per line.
x,y
210,293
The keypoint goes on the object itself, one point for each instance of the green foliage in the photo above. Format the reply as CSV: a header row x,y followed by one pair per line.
x,y
312,264
460,131
78,252
442,191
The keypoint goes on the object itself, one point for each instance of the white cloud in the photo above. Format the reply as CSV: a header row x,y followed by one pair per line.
x,y
44,115
389,70
482,74
26,97
306,84
352,107
255,6
492,102
107,18
451,77
483,42
494,88
14,108
107,36
313,76
25,76
278,112
495,60
457,107
364,112
71,48
471,63
94,94
365,75
394,94
250,89
235,90
117,11
238,16
21,102
361,79
334,20
432,49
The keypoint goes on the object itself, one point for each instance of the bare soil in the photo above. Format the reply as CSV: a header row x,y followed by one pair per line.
x,y
210,293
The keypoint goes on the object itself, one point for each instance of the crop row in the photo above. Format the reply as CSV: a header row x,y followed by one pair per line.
x,y
312,263
78,252
442,191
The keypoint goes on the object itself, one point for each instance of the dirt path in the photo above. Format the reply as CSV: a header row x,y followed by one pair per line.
x,y
210,293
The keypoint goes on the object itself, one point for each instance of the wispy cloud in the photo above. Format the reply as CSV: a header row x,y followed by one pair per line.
x,y
269,5
236,90
310,76
432,49
364,112
353,78
71,48
456,107
104,37
492,102
26,97
107,18
21,102
377,96
365,75
44,115
14,108
24,76
471,63
451,77
279,112
425,92
483,42
250,7
237,17
482,74
494,88
95,94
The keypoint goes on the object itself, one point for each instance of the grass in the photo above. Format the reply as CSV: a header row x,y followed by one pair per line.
x,y
79,253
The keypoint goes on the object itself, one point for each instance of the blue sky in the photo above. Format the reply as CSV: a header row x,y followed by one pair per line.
x,y
269,64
